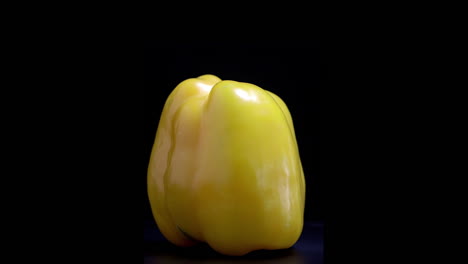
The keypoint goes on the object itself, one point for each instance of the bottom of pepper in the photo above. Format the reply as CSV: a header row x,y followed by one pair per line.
x,y
187,235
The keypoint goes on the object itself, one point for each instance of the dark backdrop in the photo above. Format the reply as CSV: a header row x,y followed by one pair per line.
x,y
295,71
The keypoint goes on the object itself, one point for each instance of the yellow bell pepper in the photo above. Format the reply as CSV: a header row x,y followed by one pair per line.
x,y
225,168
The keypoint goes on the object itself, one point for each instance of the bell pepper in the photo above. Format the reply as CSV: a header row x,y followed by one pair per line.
x,y
225,168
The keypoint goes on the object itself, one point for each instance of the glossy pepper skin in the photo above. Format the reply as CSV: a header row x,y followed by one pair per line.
x,y
225,168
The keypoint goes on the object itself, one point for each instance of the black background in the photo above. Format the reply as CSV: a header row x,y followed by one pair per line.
x,y
294,70
384,179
